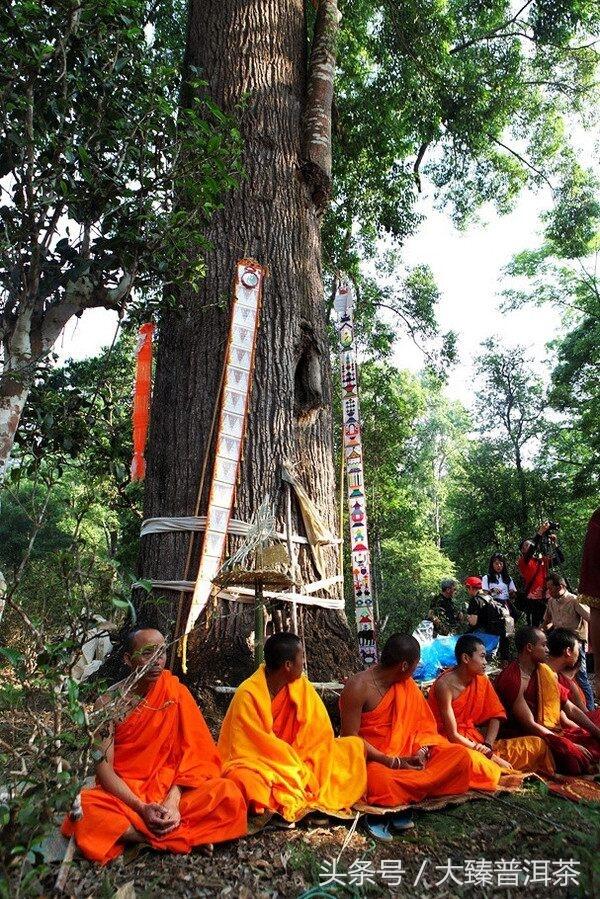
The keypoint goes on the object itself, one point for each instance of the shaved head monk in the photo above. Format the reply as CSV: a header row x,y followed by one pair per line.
x,y
564,658
538,705
468,711
277,742
159,781
407,760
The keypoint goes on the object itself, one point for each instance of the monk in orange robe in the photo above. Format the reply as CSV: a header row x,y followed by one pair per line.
x,y
463,699
407,760
277,742
538,705
160,779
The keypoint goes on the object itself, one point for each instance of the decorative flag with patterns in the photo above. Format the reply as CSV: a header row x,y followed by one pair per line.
x,y
353,455
247,296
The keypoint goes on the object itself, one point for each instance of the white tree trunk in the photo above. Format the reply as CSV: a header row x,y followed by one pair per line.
x,y
15,382
27,341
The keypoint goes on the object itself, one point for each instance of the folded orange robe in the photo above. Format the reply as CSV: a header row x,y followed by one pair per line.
x,y
400,725
163,742
283,754
479,702
545,696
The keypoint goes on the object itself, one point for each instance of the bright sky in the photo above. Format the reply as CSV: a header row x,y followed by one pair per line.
x,y
467,267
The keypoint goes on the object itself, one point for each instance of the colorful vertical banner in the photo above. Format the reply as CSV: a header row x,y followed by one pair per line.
x,y
239,367
353,455
141,400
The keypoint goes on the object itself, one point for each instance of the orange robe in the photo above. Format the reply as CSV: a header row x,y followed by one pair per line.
x,y
163,742
400,724
479,702
283,754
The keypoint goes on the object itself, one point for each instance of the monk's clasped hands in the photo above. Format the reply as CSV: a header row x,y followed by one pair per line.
x,y
159,819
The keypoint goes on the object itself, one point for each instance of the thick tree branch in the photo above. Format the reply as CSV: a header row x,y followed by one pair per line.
x,y
418,161
316,126
30,338
81,295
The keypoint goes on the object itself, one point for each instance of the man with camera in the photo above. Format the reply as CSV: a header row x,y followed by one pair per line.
x,y
534,563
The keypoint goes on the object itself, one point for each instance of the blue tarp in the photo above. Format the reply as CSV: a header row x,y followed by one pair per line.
x,y
439,654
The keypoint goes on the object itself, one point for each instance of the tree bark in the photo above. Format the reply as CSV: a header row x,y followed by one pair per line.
x,y
521,477
316,131
27,337
254,50
15,381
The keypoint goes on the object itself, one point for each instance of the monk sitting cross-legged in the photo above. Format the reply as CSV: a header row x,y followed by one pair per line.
x,y
538,705
160,779
564,658
463,700
407,760
277,742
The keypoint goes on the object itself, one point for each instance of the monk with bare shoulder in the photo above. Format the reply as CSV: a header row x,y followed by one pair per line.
x,y
159,779
538,704
407,760
469,712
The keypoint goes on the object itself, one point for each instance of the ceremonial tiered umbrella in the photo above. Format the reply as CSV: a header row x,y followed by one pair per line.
x,y
262,562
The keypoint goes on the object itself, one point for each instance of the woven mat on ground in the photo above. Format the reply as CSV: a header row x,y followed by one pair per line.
x,y
510,783
577,789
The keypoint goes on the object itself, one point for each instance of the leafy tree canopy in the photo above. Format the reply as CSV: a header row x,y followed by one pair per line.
x,y
562,272
97,163
476,93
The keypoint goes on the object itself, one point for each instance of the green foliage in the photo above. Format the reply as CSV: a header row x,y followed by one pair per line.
x,y
476,97
573,223
92,143
512,475
71,467
477,91
77,423
510,402
18,510
412,569
47,738
563,273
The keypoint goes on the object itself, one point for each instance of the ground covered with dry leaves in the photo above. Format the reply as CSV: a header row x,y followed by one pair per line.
x,y
488,843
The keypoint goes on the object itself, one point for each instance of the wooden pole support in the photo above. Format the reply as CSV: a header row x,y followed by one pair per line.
x,y
290,545
259,624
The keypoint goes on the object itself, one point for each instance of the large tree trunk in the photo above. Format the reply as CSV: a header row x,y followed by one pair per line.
x,y
256,49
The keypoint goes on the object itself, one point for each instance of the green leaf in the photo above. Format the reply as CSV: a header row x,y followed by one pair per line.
x,y
15,658
121,603
145,585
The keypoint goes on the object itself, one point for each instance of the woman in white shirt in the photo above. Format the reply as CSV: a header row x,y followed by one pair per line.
x,y
498,582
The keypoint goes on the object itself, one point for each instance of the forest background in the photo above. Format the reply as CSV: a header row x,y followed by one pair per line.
x,y
479,104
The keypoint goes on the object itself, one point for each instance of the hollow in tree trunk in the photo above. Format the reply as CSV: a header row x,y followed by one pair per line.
x,y
255,50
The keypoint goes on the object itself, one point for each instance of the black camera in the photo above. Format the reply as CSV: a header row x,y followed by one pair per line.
x,y
553,526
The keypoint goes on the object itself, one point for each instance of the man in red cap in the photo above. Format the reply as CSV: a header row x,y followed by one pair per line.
x,y
487,615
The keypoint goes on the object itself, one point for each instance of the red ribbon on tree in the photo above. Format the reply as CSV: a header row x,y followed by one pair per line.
x,y
141,400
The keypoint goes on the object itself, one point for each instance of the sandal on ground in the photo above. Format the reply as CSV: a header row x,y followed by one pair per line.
x,y
378,828
401,821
